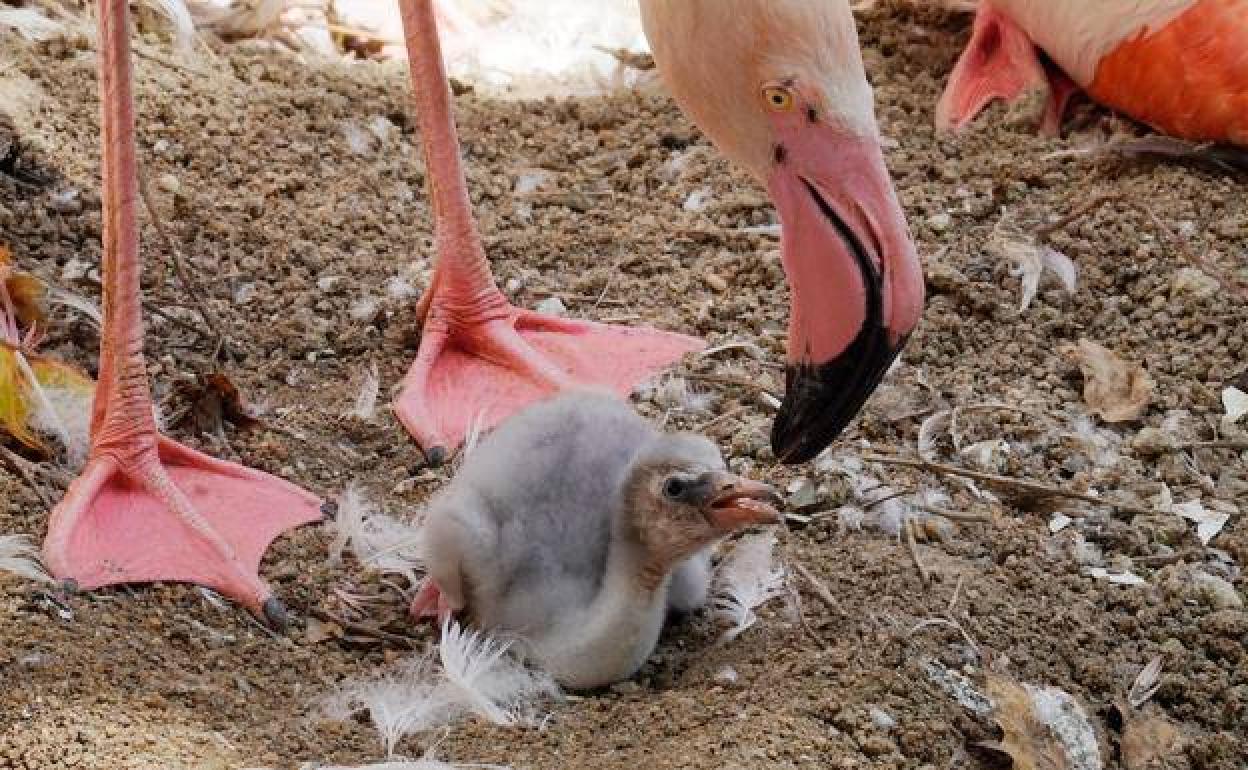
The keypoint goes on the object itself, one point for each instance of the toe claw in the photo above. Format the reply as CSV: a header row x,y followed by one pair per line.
x,y
275,613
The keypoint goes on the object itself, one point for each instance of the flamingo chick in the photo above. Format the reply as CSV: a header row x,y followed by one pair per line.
x,y
577,526
779,86
1180,66
146,508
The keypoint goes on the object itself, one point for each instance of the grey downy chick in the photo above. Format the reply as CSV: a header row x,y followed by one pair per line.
x,y
577,526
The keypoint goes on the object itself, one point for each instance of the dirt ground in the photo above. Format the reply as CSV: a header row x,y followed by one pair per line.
x,y
296,193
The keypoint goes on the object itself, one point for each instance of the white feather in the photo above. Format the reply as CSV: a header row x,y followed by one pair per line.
x,y
31,24
376,540
473,674
20,556
58,296
183,26
62,414
489,680
746,579
366,400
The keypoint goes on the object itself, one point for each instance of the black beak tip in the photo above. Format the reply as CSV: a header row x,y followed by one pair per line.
x,y
820,401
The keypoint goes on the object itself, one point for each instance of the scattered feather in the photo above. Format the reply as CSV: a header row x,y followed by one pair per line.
x,y
1208,523
1220,157
991,455
1031,261
1059,522
1235,402
86,307
958,686
31,24
376,540
1069,723
1118,577
488,680
20,556
1114,389
675,394
366,400
930,431
1146,683
697,200
746,579
359,139
470,673
179,16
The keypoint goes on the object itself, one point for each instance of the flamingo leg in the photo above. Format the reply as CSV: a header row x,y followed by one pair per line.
x,y
146,508
480,358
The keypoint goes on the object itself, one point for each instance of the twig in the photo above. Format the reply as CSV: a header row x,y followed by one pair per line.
x,y
21,467
1201,263
817,587
1239,446
948,624
170,63
955,515
363,629
1044,231
189,284
1027,485
907,530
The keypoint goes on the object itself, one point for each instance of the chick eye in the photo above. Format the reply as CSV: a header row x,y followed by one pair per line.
x,y
673,488
778,98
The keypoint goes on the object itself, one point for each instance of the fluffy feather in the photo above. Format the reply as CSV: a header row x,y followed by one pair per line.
x,y
472,674
376,540
366,400
488,680
20,556
746,579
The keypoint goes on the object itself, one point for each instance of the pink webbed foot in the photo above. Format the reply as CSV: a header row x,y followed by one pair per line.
x,y
477,374
174,514
430,602
1001,62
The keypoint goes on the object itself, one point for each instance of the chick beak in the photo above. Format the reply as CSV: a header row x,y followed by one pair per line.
x,y
734,502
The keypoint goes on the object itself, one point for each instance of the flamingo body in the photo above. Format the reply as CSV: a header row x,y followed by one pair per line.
x,y
1188,78
1179,65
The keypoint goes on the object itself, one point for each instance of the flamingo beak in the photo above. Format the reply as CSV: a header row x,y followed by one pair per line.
x,y
854,276
733,502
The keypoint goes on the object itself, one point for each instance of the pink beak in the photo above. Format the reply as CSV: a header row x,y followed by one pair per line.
x,y
855,279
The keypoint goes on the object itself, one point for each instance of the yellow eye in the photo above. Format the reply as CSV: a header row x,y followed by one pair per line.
x,y
778,98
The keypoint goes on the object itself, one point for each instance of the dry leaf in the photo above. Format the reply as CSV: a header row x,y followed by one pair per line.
x,y
1115,389
1150,743
1025,738
212,400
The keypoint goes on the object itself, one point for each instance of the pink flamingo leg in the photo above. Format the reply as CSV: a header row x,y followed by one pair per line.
x,y
480,358
146,508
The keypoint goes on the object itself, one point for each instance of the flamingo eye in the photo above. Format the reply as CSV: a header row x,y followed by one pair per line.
x,y
779,98
674,488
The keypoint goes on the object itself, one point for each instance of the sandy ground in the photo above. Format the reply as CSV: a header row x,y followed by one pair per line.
x,y
305,226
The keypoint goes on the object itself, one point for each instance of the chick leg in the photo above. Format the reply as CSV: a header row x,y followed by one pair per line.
x,y
146,508
480,358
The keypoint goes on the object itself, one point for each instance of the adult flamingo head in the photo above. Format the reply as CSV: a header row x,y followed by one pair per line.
x,y
779,86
